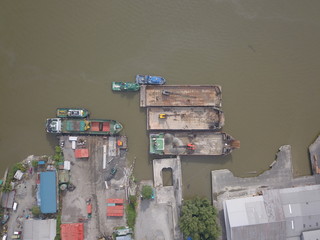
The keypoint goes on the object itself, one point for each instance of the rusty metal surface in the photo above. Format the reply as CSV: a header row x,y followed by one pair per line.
x,y
184,118
206,143
181,95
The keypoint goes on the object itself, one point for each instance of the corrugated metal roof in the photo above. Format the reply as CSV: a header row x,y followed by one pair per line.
x,y
67,165
266,231
8,199
39,229
311,235
289,212
81,153
127,237
246,211
72,231
48,192
115,200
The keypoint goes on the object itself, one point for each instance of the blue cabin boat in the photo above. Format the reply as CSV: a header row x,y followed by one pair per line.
x,y
150,80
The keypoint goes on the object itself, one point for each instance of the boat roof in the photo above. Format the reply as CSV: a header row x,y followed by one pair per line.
x,y
184,118
180,95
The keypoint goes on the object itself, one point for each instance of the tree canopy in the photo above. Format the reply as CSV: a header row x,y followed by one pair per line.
x,y
146,192
36,211
199,220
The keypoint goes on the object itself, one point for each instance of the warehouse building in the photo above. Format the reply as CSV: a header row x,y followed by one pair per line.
x,y
48,192
282,214
39,229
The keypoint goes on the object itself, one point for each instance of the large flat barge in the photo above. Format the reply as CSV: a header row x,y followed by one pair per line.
x,y
184,118
180,95
192,143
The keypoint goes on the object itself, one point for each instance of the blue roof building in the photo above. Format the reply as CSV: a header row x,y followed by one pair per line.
x,y
48,192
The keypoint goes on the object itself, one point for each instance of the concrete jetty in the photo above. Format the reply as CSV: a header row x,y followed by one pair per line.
x,y
314,151
158,219
226,186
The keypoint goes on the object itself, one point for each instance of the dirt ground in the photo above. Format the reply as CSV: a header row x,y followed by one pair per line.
x,y
89,178
26,199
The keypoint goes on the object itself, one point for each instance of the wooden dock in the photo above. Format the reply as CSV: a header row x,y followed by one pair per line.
x,y
180,95
184,118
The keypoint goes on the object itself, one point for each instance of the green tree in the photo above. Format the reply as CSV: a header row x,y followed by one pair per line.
x,y
34,163
57,149
146,192
36,211
198,220
6,187
131,211
19,166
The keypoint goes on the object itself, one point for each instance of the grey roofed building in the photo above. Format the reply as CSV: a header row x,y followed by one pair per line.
x,y
126,237
311,235
39,229
277,214
8,199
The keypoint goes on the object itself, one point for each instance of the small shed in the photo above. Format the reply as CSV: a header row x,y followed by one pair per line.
x,y
41,163
123,231
126,237
81,153
63,176
18,175
72,231
115,207
66,165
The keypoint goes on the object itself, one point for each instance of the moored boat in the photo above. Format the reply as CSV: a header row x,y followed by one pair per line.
x,y
151,80
83,126
72,113
192,143
125,87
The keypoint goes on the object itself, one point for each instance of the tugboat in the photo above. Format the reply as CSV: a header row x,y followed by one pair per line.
x,y
150,80
72,113
125,87
83,126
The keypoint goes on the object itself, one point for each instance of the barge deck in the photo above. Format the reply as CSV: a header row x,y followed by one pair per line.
x,y
192,143
180,95
184,118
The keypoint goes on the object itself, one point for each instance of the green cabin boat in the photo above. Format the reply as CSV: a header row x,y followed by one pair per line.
x,y
83,126
125,87
72,113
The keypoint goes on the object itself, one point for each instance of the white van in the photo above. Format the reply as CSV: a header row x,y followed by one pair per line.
x,y
15,206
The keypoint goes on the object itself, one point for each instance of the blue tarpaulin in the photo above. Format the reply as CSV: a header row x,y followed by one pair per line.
x,y
41,162
48,192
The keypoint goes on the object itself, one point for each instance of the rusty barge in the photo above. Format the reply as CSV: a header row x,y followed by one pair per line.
x,y
180,95
192,143
184,118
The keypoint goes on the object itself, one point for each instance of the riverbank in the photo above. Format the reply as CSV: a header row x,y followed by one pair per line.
x,y
226,186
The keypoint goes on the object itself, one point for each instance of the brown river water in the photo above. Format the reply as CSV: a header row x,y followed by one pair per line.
x,y
264,54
